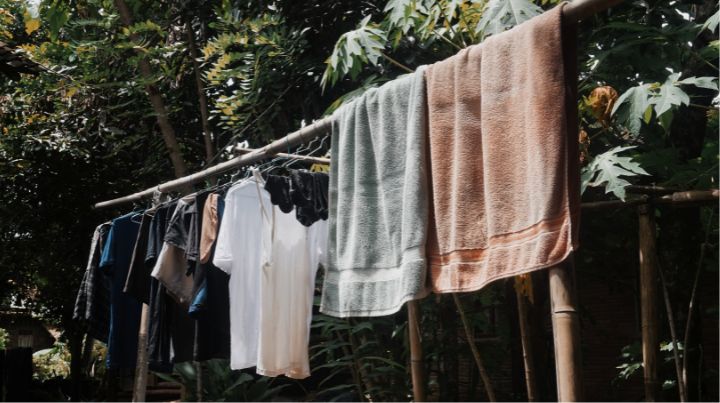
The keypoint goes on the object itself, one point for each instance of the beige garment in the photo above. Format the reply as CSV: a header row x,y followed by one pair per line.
x,y
209,227
170,268
503,156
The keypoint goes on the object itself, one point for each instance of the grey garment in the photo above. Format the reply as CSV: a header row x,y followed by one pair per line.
x,y
378,201
92,305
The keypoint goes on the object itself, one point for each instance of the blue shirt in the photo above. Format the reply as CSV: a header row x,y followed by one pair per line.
x,y
124,309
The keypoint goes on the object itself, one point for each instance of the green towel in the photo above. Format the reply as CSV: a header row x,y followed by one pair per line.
x,y
378,201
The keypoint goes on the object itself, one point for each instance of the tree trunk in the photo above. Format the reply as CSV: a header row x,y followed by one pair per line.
x,y
156,100
202,99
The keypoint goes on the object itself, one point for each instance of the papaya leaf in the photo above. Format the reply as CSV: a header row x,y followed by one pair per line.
x,y
702,82
669,95
608,169
500,15
634,102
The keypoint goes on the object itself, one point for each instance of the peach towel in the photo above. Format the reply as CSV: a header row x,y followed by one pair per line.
x,y
503,156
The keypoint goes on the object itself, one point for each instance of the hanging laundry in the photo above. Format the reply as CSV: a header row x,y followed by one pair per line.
x,y
137,283
309,194
378,201
171,330
171,268
124,309
279,189
241,244
92,306
287,289
212,215
503,157
305,192
211,298
272,260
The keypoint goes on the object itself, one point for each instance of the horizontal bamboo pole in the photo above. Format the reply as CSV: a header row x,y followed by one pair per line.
x,y
678,199
312,131
308,158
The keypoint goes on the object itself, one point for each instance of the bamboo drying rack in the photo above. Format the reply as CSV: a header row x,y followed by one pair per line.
x,y
565,321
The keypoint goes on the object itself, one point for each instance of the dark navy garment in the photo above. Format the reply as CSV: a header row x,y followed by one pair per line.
x,y
211,307
124,309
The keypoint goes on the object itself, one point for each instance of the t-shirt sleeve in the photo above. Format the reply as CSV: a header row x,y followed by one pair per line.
x,y
107,259
223,248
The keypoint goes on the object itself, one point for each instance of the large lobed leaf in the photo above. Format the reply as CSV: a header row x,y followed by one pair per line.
x,y
637,103
500,15
608,169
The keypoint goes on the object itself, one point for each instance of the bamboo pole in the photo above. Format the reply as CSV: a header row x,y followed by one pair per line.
x,y
141,367
566,332
528,359
308,158
416,360
648,300
475,352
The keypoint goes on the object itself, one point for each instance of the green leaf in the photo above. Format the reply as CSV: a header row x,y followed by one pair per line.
x,y
665,120
608,169
500,15
702,82
670,95
635,102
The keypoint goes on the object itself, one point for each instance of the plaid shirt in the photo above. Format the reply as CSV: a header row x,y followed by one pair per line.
x,y
92,306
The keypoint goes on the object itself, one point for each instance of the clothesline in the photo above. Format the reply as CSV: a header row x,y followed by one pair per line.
x,y
574,11
561,290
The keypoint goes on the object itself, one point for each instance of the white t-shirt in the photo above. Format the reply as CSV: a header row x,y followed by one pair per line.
x,y
242,240
272,260
287,288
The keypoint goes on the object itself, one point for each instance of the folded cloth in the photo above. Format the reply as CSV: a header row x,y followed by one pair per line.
x,y
279,189
378,201
308,192
503,156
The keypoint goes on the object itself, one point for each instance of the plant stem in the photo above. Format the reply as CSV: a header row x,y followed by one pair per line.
x,y
443,37
397,63
708,108
673,335
693,297
353,366
474,349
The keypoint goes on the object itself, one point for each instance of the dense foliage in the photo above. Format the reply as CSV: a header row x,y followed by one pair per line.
x,y
84,131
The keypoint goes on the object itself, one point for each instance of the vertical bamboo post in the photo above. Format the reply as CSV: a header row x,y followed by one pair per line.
x,y
141,366
566,334
416,361
528,359
648,300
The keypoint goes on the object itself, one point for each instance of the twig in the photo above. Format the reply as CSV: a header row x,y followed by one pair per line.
x,y
475,352
397,63
443,37
673,335
705,107
693,297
